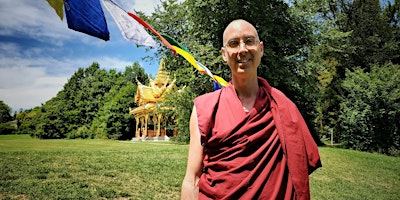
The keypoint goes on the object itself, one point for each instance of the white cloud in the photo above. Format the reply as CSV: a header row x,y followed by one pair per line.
x,y
146,6
33,18
24,86
27,87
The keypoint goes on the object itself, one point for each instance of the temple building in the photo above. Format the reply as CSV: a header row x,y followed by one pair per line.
x,y
150,124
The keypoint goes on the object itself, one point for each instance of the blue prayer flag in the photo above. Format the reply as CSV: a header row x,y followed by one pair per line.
x,y
86,16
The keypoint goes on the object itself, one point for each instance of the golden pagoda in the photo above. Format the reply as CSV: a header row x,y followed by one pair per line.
x,y
151,124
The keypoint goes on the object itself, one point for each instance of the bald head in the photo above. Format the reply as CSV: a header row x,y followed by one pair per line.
x,y
241,25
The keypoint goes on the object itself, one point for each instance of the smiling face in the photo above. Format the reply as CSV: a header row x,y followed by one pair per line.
x,y
242,49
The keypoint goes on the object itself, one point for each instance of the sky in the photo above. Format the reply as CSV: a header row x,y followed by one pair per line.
x,y
39,53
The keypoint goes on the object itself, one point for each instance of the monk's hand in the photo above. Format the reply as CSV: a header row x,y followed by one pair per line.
x,y
190,190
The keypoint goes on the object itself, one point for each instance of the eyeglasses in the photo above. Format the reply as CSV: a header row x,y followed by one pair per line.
x,y
249,43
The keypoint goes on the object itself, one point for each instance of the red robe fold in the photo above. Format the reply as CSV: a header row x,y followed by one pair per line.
x,y
264,154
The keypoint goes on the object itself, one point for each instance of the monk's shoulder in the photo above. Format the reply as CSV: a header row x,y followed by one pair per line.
x,y
279,96
209,98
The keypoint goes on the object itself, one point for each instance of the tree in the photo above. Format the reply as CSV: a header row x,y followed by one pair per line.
x,y
77,104
182,104
5,112
350,35
27,121
6,127
372,39
324,59
370,110
113,120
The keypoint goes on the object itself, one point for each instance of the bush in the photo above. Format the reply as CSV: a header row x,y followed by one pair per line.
x,y
82,132
7,128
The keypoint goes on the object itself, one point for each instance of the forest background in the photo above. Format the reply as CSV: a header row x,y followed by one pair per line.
x,y
339,61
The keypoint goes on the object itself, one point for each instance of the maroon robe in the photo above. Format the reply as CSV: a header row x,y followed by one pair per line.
x,y
266,153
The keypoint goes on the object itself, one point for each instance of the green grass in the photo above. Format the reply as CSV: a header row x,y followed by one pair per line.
x,y
348,174
106,169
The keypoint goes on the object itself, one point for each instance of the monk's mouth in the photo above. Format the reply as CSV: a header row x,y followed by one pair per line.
x,y
244,61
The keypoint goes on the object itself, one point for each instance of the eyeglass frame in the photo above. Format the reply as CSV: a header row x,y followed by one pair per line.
x,y
228,46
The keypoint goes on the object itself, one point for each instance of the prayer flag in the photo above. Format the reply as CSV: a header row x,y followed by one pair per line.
x,y
184,52
220,80
200,67
58,7
204,69
172,41
142,22
86,16
130,29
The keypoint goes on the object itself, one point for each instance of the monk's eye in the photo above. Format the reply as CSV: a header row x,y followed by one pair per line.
x,y
233,44
250,42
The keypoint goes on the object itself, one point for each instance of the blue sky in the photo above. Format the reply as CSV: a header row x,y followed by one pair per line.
x,y
38,53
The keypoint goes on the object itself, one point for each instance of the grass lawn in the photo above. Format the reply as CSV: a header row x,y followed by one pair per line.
x,y
106,169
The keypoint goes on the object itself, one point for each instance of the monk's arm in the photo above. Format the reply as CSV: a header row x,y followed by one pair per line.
x,y
190,187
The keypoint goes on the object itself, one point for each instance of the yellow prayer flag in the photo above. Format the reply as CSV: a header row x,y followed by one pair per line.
x,y
58,6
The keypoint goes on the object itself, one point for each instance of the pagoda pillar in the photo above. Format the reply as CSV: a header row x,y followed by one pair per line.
x,y
137,126
159,118
154,126
164,125
142,125
146,120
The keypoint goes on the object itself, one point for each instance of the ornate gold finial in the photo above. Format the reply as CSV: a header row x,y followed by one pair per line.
x,y
162,75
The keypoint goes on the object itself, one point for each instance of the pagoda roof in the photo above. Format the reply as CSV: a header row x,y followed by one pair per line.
x,y
148,96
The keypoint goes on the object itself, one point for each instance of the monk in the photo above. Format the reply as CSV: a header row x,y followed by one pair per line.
x,y
247,140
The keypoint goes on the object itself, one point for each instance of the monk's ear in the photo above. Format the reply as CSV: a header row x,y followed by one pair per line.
x,y
224,54
262,47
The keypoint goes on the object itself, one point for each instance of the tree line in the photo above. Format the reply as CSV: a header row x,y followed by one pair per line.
x,y
94,103
337,60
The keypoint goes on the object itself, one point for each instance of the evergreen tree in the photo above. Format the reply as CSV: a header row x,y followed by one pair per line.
x,y
372,39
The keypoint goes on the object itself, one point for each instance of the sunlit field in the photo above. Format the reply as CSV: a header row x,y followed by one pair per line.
x,y
108,169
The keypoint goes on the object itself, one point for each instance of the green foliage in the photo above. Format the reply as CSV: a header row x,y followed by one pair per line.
x,y
82,132
182,104
114,120
350,35
372,39
173,19
7,128
27,121
370,109
5,112
94,103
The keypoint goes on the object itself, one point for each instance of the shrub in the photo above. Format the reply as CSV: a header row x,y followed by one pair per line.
x,y
7,128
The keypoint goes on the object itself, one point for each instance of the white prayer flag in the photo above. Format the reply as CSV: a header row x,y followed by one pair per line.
x,y
131,29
